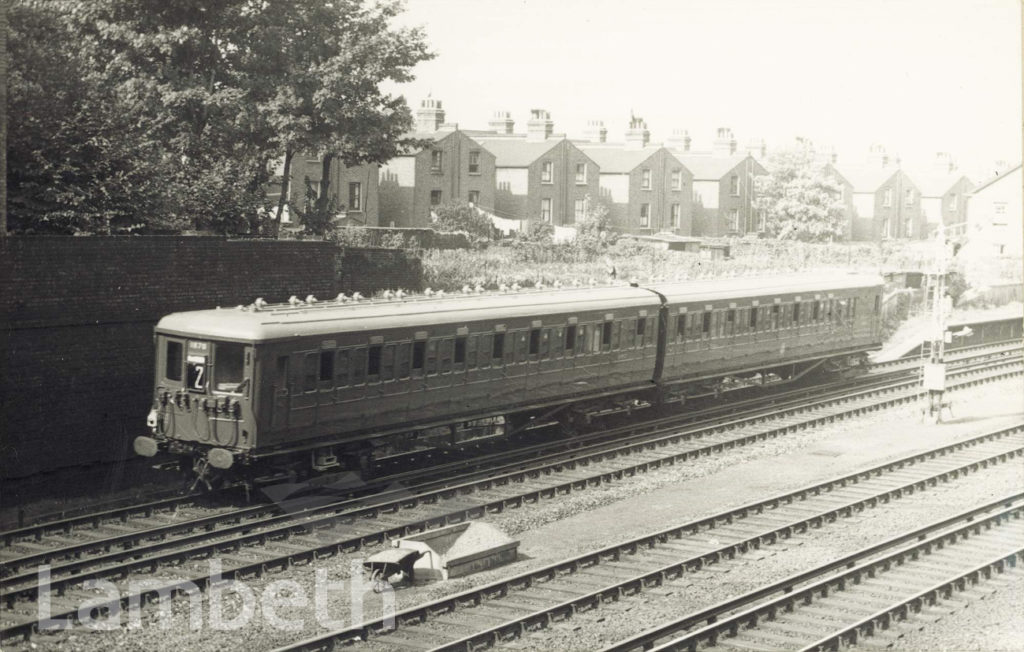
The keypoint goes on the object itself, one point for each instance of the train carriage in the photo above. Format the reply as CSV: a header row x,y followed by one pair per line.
x,y
292,379
784,324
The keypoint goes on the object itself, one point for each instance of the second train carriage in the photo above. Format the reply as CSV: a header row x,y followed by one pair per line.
x,y
315,385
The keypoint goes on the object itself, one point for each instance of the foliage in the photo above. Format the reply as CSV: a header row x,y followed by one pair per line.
x,y
798,197
594,232
459,215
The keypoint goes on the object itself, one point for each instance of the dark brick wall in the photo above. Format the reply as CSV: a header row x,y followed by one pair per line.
x,y
79,316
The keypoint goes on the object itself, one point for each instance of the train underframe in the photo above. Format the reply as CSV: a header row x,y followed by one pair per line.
x,y
329,460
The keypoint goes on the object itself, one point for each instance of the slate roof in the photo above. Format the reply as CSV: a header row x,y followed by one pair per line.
x,y
614,159
713,168
515,152
996,178
867,179
936,185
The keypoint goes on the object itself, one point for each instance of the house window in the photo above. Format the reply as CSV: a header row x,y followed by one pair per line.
x,y
734,219
435,197
952,202
355,196
474,197
677,179
436,160
645,215
908,197
581,173
547,172
579,209
676,212
734,185
887,198
545,210
474,161
645,179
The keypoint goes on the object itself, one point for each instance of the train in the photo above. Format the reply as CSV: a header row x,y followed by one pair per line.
x,y
308,386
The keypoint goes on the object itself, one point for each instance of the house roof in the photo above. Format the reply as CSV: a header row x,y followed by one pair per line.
x,y
614,159
936,185
714,167
516,152
996,178
866,179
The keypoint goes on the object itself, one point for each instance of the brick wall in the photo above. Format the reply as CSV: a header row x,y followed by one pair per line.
x,y
79,315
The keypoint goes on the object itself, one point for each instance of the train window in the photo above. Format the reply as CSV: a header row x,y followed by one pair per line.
x,y
309,372
326,366
817,311
570,340
402,360
595,340
387,363
878,303
460,350
853,307
616,332
706,324
341,369
498,348
373,361
775,317
419,353
545,343
681,327
581,339
446,355
557,340
471,353
172,361
730,321
796,313
229,366
534,341
753,318
641,325
606,336
358,365
431,357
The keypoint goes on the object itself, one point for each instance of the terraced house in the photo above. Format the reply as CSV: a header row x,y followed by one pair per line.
x,y
541,175
453,167
646,188
886,202
944,193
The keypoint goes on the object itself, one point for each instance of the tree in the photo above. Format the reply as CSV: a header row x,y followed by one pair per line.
x,y
459,215
799,198
594,232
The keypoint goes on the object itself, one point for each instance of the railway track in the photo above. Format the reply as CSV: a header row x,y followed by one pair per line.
x,y
860,595
511,608
278,541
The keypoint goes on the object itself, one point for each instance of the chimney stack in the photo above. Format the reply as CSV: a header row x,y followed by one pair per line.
x,y
944,163
540,127
430,115
679,140
637,136
877,156
757,148
725,143
595,132
501,123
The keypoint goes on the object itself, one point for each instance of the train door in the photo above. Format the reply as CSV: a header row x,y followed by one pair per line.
x,y
280,401
304,368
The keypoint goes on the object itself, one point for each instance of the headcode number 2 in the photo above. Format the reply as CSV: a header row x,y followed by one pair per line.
x,y
198,382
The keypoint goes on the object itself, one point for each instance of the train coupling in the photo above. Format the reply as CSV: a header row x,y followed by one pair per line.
x,y
146,446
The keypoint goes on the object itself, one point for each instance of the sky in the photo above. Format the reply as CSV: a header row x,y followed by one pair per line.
x,y
917,76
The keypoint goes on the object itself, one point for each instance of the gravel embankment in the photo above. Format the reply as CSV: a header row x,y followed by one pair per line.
x,y
597,517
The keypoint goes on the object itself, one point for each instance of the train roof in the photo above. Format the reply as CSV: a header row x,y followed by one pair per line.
x,y
762,286
284,321
329,317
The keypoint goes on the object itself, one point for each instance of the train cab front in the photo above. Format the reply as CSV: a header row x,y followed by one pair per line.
x,y
202,403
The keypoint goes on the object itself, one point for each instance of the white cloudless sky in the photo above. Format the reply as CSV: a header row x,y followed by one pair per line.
x,y
918,76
